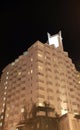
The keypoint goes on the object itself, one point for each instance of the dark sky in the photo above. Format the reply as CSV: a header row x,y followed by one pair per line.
x,y
22,23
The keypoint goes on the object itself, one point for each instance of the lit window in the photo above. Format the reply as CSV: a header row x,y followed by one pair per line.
x,y
7,77
2,117
3,104
8,108
76,113
13,63
4,98
73,67
64,111
38,125
25,53
22,110
40,104
54,59
2,110
7,73
16,60
6,82
39,55
4,93
19,73
7,115
45,57
40,67
0,123
5,87
28,73
79,82
78,75
31,71
31,59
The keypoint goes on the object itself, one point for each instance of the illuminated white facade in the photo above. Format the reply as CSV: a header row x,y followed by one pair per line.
x,y
43,73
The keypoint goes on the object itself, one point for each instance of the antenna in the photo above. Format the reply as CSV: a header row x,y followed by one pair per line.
x,y
60,34
48,35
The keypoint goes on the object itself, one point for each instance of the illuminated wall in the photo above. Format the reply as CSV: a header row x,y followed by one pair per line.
x,y
43,73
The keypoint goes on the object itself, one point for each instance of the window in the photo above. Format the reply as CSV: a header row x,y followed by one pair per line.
x,y
48,57
49,90
2,110
47,52
31,71
0,123
76,111
41,96
19,79
3,104
79,82
50,97
40,50
39,60
4,93
48,63
59,99
40,67
58,91
7,77
38,125
5,87
65,101
19,73
28,73
41,88
4,98
48,69
13,63
40,74
7,115
74,103
71,89
6,82
7,73
22,110
40,55
49,82
23,81
23,88
31,59
2,117
45,58
39,80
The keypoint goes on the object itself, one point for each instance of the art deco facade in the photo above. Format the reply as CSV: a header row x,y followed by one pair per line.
x,y
44,73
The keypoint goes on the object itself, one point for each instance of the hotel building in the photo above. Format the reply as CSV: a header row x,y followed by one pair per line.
x,y
44,73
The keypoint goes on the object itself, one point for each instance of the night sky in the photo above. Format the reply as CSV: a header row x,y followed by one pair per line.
x,y
22,23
